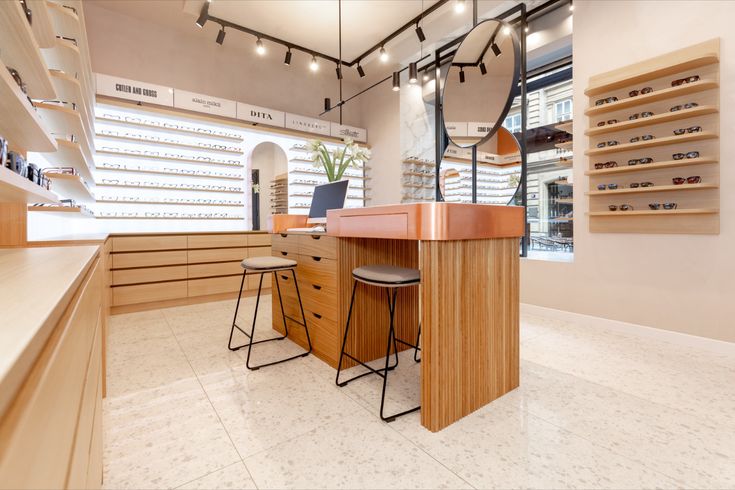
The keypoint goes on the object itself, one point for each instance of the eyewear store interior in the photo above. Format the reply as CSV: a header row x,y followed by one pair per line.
x,y
361,244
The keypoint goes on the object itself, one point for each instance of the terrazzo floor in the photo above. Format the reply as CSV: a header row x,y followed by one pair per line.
x,y
595,409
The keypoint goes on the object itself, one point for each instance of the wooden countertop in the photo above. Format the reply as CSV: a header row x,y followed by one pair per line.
x,y
428,221
95,238
38,284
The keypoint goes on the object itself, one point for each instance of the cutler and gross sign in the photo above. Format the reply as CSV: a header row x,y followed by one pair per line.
x,y
137,91
254,113
308,124
204,103
342,131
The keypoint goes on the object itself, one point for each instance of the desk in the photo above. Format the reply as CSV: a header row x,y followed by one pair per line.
x,y
468,255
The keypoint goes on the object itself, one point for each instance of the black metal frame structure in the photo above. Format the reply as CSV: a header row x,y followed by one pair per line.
x,y
251,335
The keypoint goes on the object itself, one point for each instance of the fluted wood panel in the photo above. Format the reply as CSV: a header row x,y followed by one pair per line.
x,y
470,326
369,324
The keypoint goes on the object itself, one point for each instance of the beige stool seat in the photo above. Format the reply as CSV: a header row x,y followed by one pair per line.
x,y
267,263
386,275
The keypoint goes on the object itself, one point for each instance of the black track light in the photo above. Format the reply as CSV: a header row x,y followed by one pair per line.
x,y
396,81
203,16
287,59
339,72
420,33
221,36
461,75
360,71
413,73
496,49
483,68
327,104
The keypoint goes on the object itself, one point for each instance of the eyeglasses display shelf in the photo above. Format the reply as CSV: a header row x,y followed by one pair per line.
x,y
656,170
70,186
15,188
210,148
170,172
67,211
137,122
279,194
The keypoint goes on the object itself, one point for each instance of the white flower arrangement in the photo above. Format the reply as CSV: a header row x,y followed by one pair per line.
x,y
336,161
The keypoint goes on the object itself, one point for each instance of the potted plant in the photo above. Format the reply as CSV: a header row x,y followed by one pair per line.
x,y
336,161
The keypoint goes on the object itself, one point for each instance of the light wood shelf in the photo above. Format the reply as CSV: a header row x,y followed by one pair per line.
x,y
654,212
167,188
66,22
567,145
20,123
163,143
565,126
565,200
308,172
64,120
14,188
153,127
70,154
163,217
655,188
153,157
70,187
650,121
566,162
172,174
21,51
66,211
667,140
652,166
165,203
70,89
43,28
655,96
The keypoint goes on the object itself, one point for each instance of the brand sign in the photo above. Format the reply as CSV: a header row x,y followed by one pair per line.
x,y
487,157
256,114
204,103
457,152
308,124
123,88
479,128
456,128
342,131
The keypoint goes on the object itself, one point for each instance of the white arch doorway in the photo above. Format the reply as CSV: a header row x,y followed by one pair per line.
x,y
269,159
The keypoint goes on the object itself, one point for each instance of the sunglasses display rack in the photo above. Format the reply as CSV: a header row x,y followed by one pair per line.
x,y
654,145
279,194
418,180
495,183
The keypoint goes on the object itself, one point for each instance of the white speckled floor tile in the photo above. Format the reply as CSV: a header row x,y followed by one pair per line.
x,y
233,477
145,372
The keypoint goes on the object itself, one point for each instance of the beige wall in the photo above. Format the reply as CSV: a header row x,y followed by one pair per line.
x,y
180,55
684,283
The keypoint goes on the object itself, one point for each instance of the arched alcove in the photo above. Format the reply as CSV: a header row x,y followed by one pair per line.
x,y
268,159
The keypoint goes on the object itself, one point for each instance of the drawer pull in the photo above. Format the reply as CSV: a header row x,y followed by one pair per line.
x,y
317,315
315,237
285,278
284,253
284,235
318,288
317,259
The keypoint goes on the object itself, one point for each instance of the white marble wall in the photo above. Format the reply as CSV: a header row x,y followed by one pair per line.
x,y
417,123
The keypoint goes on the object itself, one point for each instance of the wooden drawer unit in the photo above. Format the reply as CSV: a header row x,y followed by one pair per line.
x,y
145,293
259,240
322,302
322,272
151,274
285,242
316,245
325,337
140,243
217,255
214,285
148,259
217,241
210,270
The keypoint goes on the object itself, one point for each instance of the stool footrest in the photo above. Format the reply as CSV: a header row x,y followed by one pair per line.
x,y
372,370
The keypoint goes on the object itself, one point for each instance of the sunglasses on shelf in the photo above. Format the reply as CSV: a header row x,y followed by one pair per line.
x,y
606,100
640,115
607,143
635,185
18,80
602,187
622,207
645,137
688,105
640,161
643,91
694,179
692,129
667,205
682,81
70,39
681,156
611,164
608,122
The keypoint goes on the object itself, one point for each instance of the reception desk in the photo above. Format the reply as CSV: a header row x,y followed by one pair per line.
x,y
467,304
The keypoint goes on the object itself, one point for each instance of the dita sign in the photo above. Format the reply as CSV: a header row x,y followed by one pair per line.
x,y
123,88
308,124
262,115
342,131
204,103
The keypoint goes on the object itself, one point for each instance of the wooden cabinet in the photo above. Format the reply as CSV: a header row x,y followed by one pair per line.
x,y
140,243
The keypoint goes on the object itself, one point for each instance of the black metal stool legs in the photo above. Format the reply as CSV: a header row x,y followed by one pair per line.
x,y
251,335
417,349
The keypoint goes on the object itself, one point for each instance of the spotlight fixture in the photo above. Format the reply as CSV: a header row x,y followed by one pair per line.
x,y
287,59
420,33
360,71
527,29
483,68
314,66
413,72
327,104
203,16
259,48
496,49
426,76
459,6
461,75
383,54
339,72
221,36
396,81
571,7
506,30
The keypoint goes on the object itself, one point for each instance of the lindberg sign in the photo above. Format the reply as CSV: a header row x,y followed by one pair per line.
x,y
167,96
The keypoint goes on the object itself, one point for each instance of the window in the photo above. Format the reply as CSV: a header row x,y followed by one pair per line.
x,y
563,110
513,123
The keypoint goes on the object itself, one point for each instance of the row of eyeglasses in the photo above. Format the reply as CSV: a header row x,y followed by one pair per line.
x,y
172,171
170,185
156,139
169,156
118,214
166,125
169,200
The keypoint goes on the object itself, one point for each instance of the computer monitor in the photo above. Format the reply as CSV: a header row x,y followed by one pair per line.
x,y
327,196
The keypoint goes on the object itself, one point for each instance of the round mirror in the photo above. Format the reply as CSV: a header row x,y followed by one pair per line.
x,y
480,83
498,171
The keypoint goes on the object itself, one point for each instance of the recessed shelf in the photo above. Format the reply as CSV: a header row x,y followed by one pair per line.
x,y
652,166
565,126
164,143
153,127
166,203
15,188
70,187
153,157
188,189
21,51
666,140
20,123
650,121
172,174
655,96
654,212
66,211
655,188
64,56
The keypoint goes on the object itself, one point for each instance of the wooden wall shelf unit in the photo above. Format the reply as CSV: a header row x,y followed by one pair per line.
x,y
67,211
43,28
21,124
71,154
14,188
697,205
71,186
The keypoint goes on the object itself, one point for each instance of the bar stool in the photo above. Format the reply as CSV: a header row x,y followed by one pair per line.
x,y
392,278
262,266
